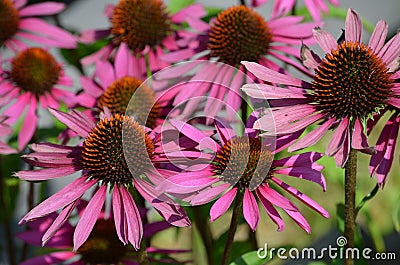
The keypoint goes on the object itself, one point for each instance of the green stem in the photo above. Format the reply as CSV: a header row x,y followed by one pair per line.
x,y
205,233
142,254
7,224
253,239
367,198
350,203
237,207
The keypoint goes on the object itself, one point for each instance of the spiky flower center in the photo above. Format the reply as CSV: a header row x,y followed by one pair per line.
x,y
35,70
243,162
140,23
103,245
143,107
103,150
239,34
9,20
352,81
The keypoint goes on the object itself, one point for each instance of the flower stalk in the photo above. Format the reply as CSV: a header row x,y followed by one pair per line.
x,y
350,203
233,226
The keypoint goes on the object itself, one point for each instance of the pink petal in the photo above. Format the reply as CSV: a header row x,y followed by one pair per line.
x,y
338,137
122,62
65,196
194,134
105,73
265,91
19,3
275,198
225,132
378,37
391,50
195,10
325,40
342,154
89,217
302,197
135,229
45,174
209,194
309,58
29,125
271,211
300,220
251,212
119,215
304,173
269,75
15,110
72,122
60,37
312,137
359,139
299,160
91,87
353,29
58,222
92,35
222,204
41,9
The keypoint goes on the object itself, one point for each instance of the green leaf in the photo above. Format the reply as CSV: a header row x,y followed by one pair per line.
x,y
176,5
250,258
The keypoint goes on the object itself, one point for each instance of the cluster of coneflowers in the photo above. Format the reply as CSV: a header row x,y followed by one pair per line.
x,y
165,118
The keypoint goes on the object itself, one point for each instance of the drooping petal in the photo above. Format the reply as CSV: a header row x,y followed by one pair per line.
x,y
58,223
302,197
135,228
89,217
271,211
41,9
65,196
338,137
75,124
251,212
222,204
119,215
209,194
50,259
269,75
275,198
313,137
300,220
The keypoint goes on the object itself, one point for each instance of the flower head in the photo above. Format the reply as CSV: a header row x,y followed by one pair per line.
x,y
102,247
33,78
351,83
245,164
107,162
18,22
146,27
237,34
119,87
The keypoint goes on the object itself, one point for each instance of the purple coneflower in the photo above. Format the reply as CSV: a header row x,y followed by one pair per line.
x,y
314,7
33,78
113,86
108,160
18,22
246,164
146,27
102,247
238,34
351,83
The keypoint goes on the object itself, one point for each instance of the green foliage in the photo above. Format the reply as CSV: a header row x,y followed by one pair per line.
x,y
250,258
176,5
